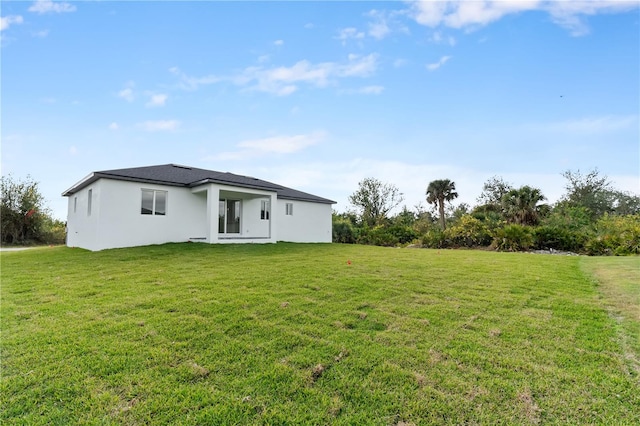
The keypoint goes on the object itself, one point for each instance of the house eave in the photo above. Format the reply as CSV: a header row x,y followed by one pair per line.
x,y
229,183
97,175
319,201
87,180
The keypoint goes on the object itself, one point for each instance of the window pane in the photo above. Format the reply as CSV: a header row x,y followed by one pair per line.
x,y
89,202
221,212
147,202
233,217
161,203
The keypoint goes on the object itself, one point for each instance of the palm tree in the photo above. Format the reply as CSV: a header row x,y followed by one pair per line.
x,y
521,205
438,192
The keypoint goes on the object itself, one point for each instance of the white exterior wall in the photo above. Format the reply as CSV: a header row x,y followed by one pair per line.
x,y
310,222
116,220
251,222
81,227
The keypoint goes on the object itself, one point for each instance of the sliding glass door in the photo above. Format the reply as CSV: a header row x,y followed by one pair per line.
x,y
229,216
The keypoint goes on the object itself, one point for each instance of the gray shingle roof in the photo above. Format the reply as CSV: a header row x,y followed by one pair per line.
x,y
184,176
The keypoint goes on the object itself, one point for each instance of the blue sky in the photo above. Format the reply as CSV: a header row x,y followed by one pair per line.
x,y
319,95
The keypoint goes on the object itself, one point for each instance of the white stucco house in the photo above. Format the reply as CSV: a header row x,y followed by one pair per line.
x,y
173,203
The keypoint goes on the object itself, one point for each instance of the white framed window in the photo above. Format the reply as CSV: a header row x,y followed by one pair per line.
x,y
75,204
154,202
289,209
89,200
264,209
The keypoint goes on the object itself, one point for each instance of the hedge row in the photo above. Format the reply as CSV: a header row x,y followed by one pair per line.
x,y
610,235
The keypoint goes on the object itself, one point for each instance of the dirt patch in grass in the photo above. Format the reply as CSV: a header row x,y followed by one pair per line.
x,y
529,406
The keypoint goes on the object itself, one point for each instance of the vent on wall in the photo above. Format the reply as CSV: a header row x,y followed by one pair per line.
x,y
180,166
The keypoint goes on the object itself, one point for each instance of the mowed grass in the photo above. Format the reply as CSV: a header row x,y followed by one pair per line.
x,y
310,334
619,284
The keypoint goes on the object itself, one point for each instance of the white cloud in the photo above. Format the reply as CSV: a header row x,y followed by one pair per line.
x,y
278,42
569,14
114,126
40,34
358,66
283,81
378,27
157,100
159,125
348,34
399,63
127,93
372,90
193,83
382,23
436,65
272,145
7,21
591,125
283,144
438,38
367,90
474,14
49,6
73,150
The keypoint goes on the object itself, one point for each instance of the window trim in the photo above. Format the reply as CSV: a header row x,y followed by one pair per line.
x,y
288,209
265,208
89,202
154,201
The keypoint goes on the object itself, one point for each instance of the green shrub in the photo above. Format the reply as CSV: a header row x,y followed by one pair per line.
x,y
377,236
513,238
559,238
405,234
615,235
344,232
468,232
54,232
599,246
434,238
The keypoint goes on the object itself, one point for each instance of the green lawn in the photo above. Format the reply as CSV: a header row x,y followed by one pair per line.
x,y
294,334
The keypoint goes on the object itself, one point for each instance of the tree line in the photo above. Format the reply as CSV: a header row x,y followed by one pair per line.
x,y
592,217
24,217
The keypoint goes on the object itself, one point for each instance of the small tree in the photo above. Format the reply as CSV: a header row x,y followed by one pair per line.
x,y
374,200
23,215
438,192
591,191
